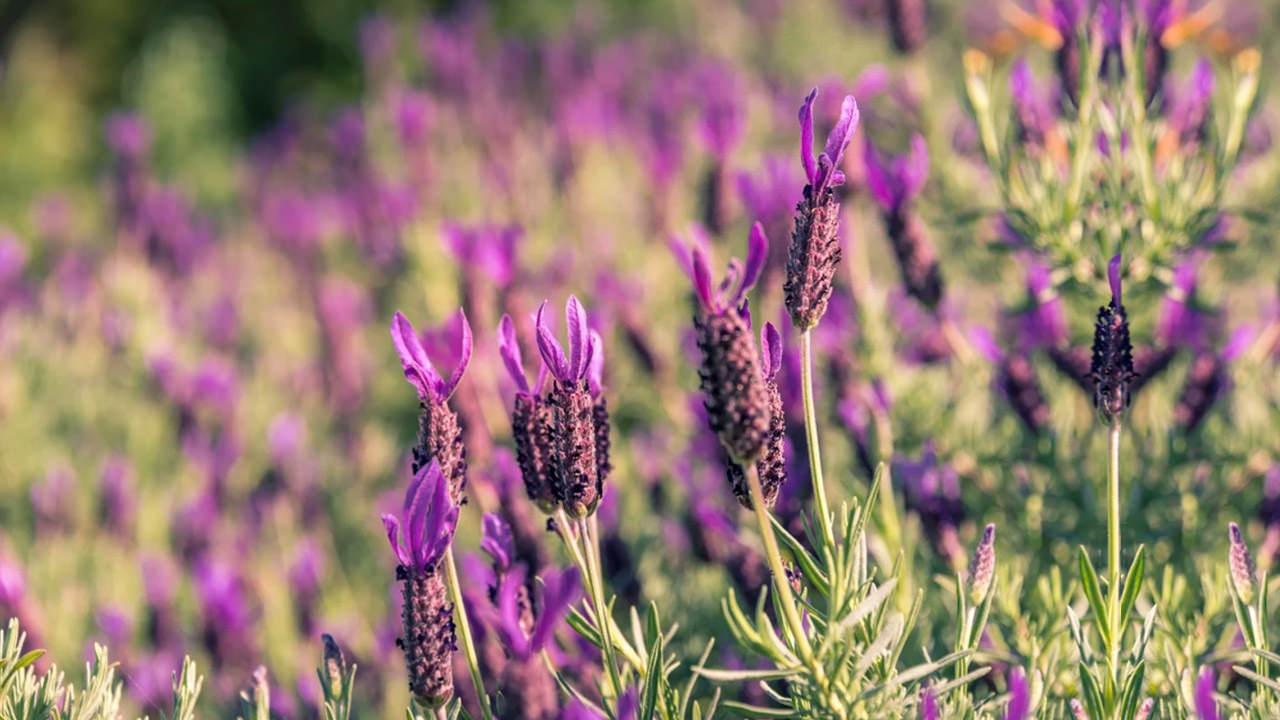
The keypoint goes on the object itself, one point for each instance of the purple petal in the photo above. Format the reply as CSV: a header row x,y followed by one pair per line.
x,y
843,131
440,517
879,178
702,280
757,253
392,526
464,356
806,136
417,510
628,705
1019,694
417,367
579,335
497,541
509,614
929,705
549,347
559,592
1113,276
915,170
771,350
509,349
595,369
1206,706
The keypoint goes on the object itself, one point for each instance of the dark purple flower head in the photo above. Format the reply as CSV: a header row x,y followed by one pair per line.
x,y
490,249
1206,685
929,705
574,368
894,182
739,278
223,601
1112,366
430,518
559,591
498,542
824,172
1019,707
418,369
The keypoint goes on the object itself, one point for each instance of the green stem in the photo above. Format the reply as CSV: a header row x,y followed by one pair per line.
x,y
591,545
464,632
790,612
811,440
1113,545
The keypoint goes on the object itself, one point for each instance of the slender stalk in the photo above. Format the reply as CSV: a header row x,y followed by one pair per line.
x,y
790,612
464,632
1114,571
811,440
591,546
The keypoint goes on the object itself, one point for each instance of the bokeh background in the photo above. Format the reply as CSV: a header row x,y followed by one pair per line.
x,y
209,211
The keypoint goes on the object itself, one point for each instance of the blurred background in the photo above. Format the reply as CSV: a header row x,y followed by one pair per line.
x,y
209,211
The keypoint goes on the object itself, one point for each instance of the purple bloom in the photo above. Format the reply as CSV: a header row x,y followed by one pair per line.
x,y
929,705
118,496
824,172
1034,109
894,182
490,249
731,293
574,368
1182,323
1206,705
430,518
1189,111
1112,366
127,135
418,369
721,121
560,590
1019,696
498,542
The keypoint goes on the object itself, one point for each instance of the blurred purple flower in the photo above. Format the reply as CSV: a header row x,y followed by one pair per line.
x,y
1206,685
824,172
490,249
1019,707
895,182
1183,323
118,496
560,590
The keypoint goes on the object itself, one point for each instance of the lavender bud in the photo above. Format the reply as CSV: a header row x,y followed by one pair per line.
x,y
1145,708
1206,379
771,466
335,665
440,439
917,258
734,393
1112,367
1077,710
575,478
1243,574
982,567
531,430
908,24
1016,378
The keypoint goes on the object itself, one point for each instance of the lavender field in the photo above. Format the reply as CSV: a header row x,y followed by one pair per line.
x,y
665,360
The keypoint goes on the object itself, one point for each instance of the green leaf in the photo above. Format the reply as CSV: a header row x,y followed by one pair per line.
x,y
1132,586
1132,695
1092,695
804,560
755,711
721,675
1093,594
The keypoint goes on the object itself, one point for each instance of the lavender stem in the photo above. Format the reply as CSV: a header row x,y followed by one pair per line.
x,y
464,633
811,441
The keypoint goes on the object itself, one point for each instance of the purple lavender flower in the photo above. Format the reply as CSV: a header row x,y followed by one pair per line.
x,y
908,24
929,705
983,566
1019,707
1183,322
1041,322
1033,108
560,590
1206,685
490,249
769,197
579,420
1112,369
439,432
118,497
771,466
1244,577
732,385
1188,114
815,247
531,419
894,184
430,517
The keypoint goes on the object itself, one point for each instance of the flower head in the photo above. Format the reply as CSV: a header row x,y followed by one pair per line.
x,y
559,591
1244,576
739,278
569,369
929,705
1112,366
1019,707
895,182
430,518
418,370
1206,685
983,566
498,542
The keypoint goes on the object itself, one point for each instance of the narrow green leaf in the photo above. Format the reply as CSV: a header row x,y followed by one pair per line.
x,y
804,560
1132,585
755,711
1093,594
722,675
1092,695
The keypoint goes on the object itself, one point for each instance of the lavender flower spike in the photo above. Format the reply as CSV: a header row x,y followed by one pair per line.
x,y
439,432
815,249
531,419
894,184
983,566
1206,705
1019,707
429,520
929,705
574,470
1112,367
732,385
1244,577
772,464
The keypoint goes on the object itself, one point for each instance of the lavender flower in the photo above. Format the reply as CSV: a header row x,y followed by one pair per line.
x,y
1244,577
894,185
929,705
531,419
815,248
982,567
439,432
908,24
732,385
1112,367
578,442
1183,322
1019,707
771,466
1206,380
430,517
1206,705
1033,109
118,497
